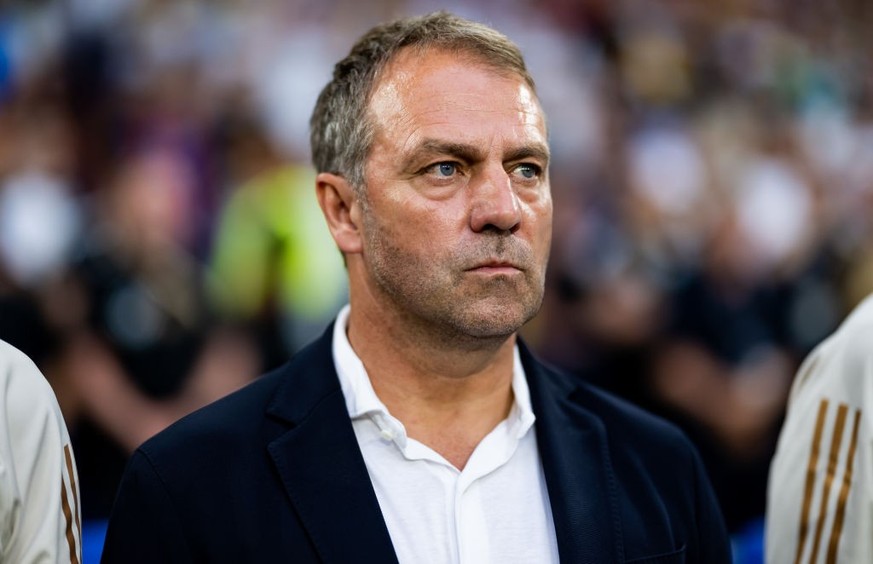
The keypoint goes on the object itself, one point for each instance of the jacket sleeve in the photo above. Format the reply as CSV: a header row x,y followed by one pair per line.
x,y
144,525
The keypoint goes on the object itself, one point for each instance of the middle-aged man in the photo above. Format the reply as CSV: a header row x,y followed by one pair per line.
x,y
418,428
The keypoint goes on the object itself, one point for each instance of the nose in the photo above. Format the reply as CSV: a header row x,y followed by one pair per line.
x,y
495,204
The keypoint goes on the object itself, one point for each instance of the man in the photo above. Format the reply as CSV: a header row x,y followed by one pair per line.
x,y
39,494
820,496
418,429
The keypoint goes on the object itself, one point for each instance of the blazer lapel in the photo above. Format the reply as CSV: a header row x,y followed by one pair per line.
x,y
321,466
575,457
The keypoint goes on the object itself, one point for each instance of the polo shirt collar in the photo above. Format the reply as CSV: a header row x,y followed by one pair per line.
x,y
362,401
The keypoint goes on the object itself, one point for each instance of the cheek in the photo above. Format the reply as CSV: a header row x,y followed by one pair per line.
x,y
426,240
429,227
410,236
539,217
545,221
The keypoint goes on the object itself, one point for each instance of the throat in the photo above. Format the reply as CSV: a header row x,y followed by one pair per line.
x,y
452,432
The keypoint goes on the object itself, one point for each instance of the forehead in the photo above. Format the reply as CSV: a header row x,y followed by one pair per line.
x,y
452,93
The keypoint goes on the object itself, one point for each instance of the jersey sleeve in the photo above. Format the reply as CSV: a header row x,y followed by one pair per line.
x,y
820,494
39,496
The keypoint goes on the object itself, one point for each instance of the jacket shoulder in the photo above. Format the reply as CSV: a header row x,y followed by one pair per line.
x,y
623,420
249,418
658,485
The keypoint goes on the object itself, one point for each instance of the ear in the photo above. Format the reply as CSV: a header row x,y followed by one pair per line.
x,y
341,210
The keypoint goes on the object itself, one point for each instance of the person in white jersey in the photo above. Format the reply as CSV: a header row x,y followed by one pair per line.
x,y
39,494
820,494
419,428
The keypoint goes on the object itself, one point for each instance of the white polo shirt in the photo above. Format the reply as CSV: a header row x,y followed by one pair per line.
x,y
494,510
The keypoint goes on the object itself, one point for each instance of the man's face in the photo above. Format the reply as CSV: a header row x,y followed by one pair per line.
x,y
458,218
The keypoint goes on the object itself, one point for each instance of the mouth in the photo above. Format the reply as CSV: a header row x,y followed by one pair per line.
x,y
495,267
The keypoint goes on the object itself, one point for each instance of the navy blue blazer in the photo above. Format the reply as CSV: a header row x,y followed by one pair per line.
x,y
273,473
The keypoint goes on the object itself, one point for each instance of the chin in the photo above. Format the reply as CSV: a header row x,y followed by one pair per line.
x,y
500,321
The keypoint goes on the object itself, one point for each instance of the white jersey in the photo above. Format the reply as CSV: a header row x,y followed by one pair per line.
x,y
820,496
39,497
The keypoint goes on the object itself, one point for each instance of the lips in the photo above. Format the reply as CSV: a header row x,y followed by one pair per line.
x,y
496,266
503,256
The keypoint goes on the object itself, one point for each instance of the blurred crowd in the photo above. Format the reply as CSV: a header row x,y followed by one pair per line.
x,y
160,243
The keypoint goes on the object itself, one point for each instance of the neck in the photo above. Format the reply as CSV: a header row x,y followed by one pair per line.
x,y
449,394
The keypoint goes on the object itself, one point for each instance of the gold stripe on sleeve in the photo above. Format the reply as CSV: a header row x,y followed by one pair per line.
x,y
71,540
72,472
809,486
829,477
834,543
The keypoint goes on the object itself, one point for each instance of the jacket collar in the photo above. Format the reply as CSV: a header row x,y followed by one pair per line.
x,y
574,452
320,464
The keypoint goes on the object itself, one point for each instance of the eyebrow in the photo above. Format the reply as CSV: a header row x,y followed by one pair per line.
x,y
471,153
461,151
535,151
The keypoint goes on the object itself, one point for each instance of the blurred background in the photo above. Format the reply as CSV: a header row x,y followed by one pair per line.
x,y
160,243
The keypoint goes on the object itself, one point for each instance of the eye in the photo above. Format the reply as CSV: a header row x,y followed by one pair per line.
x,y
528,171
444,169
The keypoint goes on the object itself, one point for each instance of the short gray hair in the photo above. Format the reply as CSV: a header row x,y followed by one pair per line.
x,y
341,132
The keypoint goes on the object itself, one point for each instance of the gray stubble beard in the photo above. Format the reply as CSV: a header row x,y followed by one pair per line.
x,y
434,308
